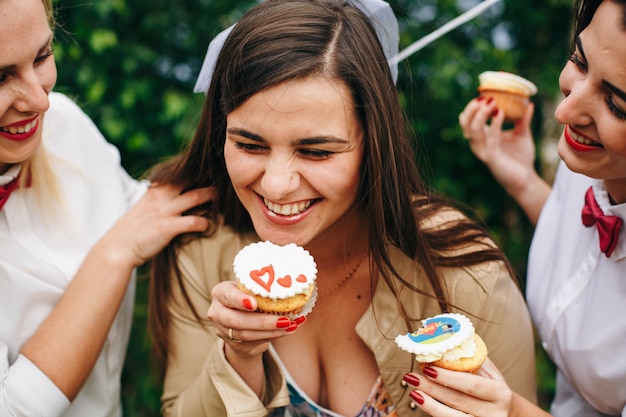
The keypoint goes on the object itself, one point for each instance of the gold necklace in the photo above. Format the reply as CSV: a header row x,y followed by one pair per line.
x,y
347,277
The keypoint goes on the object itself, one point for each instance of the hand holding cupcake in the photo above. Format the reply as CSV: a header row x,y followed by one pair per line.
x,y
510,91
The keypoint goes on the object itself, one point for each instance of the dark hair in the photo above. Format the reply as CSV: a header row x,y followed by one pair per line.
x,y
584,11
281,40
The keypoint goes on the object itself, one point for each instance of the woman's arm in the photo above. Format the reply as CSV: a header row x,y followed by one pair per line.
x,y
68,342
202,376
509,154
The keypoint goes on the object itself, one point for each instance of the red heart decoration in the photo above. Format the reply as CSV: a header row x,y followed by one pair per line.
x,y
285,281
257,274
301,278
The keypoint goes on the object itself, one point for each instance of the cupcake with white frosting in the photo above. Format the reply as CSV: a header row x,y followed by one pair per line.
x,y
448,341
281,278
510,91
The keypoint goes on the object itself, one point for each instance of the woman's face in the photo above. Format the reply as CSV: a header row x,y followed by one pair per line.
x,y
27,75
293,153
594,109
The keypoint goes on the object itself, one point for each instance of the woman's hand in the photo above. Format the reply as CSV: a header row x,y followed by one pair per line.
x,y
509,154
444,393
246,333
154,221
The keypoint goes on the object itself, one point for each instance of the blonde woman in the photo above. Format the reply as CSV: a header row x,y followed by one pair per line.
x,y
67,248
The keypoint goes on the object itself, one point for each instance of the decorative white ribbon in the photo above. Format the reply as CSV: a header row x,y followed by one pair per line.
x,y
386,29
437,33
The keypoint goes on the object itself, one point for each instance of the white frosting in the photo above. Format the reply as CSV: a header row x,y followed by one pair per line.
x,y
274,271
506,79
452,346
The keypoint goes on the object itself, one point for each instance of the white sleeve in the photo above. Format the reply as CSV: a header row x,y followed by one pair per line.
x,y
25,391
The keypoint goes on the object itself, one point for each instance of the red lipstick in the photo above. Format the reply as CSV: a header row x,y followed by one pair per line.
x,y
29,126
575,145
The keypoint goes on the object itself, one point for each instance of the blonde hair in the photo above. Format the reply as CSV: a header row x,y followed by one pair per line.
x,y
47,4
36,171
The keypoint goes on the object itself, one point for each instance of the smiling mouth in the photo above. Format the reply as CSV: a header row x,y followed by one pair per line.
x,y
582,139
287,209
21,129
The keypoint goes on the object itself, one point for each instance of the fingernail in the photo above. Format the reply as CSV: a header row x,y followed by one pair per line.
x,y
283,323
480,98
291,328
247,304
411,379
430,372
299,320
495,112
490,100
417,397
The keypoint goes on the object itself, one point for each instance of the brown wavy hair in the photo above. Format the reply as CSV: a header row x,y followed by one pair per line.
x,y
282,40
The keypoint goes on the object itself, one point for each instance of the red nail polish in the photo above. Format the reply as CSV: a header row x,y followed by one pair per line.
x,y
299,320
495,112
430,372
247,304
480,98
417,397
490,100
283,323
291,328
411,380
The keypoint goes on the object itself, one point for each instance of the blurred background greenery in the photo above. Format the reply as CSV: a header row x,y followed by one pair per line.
x,y
131,65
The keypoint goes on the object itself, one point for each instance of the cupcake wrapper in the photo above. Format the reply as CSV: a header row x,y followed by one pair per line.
x,y
513,105
307,308
301,312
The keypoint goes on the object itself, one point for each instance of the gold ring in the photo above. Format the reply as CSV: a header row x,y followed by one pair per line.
x,y
230,336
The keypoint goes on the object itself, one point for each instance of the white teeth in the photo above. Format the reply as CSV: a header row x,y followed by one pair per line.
x,y
21,129
581,139
287,209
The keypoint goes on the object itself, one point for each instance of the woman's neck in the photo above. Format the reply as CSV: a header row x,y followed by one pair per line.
x,y
616,189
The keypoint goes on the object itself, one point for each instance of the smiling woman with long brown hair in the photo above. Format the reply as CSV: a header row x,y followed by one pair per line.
x,y
303,136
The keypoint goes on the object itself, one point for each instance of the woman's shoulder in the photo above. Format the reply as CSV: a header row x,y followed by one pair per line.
x,y
441,217
449,221
68,129
454,235
64,108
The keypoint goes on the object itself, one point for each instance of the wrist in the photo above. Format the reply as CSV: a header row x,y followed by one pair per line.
x,y
521,407
250,368
112,257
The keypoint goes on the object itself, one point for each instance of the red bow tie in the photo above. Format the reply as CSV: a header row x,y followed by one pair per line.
x,y
608,226
6,190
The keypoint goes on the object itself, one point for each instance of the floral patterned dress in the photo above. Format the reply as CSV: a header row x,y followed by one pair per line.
x,y
377,404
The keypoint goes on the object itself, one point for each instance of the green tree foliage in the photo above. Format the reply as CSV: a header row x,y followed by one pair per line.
x,y
131,65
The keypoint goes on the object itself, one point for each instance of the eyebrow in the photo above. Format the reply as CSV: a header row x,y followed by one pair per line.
x,y
618,92
316,140
43,48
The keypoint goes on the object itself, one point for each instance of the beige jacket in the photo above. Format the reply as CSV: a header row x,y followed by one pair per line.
x,y
200,382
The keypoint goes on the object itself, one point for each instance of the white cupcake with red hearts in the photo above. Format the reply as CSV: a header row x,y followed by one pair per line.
x,y
281,278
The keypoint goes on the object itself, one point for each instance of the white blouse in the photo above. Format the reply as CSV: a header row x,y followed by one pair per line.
x,y
40,251
577,299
